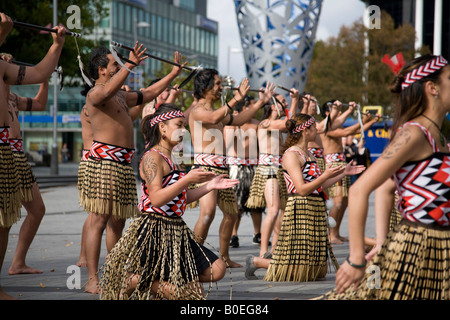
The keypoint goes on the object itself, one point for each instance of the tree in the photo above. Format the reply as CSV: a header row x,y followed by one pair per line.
x,y
337,65
30,46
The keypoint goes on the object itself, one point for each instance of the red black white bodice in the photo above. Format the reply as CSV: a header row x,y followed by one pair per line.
x,y
176,206
424,186
310,171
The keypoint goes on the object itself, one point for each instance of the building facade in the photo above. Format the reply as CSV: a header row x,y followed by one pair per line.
x,y
430,18
163,26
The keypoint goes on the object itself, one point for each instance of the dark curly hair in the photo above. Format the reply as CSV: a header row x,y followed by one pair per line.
x,y
412,101
296,120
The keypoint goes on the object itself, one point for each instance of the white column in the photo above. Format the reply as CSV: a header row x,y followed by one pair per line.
x,y
419,26
437,41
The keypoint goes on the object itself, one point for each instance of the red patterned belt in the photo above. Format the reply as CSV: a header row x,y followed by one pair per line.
x,y
85,155
335,157
317,152
103,151
16,145
212,160
266,159
4,135
241,162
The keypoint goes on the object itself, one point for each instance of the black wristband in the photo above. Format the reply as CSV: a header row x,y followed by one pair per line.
x,y
229,107
140,98
29,104
358,266
231,119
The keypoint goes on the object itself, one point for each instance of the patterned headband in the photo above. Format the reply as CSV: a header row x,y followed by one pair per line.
x,y
304,125
166,116
424,70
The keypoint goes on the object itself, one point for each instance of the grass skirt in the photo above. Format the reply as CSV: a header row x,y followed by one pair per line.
x,y
156,248
263,173
303,248
25,175
341,187
109,187
81,172
10,193
413,264
226,197
245,176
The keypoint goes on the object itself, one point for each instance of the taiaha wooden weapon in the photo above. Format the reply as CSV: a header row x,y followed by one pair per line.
x,y
193,70
36,27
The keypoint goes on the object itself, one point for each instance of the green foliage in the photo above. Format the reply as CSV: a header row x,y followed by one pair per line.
x,y
30,46
337,66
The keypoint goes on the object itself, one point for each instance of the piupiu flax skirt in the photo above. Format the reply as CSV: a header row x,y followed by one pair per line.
x,y
109,187
263,173
395,217
156,248
413,264
10,194
81,172
303,251
341,187
245,176
226,197
24,175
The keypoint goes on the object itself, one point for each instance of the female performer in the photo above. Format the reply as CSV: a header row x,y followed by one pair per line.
x,y
413,261
158,257
303,246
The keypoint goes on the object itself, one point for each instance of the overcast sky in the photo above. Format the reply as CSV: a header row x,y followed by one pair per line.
x,y
334,14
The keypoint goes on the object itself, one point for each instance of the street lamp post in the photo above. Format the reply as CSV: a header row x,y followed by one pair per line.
x,y
140,24
230,51
54,159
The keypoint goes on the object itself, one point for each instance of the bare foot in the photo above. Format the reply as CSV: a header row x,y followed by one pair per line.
x,y
23,270
82,263
343,238
336,241
91,286
231,263
5,296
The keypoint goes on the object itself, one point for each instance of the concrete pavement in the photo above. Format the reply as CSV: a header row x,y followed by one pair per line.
x,y
56,248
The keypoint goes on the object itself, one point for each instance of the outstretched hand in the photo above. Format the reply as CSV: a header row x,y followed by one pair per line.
x,y
334,171
352,169
241,92
268,92
137,55
222,182
198,175
177,59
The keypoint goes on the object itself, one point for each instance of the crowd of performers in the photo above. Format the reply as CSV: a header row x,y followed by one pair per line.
x,y
280,168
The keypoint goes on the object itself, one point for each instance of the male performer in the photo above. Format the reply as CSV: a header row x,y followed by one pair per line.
x,y
206,123
268,189
31,196
242,159
334,155
109,191
17,75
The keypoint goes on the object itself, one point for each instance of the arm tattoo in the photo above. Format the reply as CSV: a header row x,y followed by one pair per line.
x,y
150,169
21,75
400,141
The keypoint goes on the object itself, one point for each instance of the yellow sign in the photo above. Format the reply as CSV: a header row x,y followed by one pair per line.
x,y
373,109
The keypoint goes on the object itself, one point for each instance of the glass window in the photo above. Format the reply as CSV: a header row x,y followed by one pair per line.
x,y
120,17
176,33
154,26
159,28
170,31
182,35
147,29
127,18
